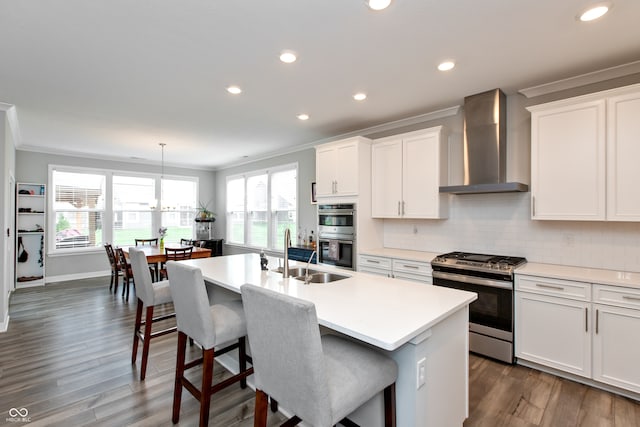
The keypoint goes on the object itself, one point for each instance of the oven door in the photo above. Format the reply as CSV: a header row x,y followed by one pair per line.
x,y
336,252
494,306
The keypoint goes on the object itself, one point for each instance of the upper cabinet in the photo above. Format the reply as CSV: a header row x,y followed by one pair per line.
x,y
339,165
583,153
407,171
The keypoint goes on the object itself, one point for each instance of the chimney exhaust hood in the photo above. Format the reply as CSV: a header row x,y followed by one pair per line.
x,y
485,148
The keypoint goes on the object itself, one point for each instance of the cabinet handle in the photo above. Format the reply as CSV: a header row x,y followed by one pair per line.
x,y
398,207
630,298
597,320
336,187
586,319
533,205
556,288
403,207
373,261
411,266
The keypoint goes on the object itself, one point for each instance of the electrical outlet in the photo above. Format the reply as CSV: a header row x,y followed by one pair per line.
x,y
421,372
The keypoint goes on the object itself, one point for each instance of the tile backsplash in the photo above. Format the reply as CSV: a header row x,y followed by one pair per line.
x,y
501,224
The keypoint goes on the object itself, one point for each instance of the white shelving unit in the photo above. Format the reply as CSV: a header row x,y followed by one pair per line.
x,y
31,205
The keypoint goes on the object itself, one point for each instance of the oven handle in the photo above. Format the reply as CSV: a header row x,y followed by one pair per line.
x,y
327,240
472,280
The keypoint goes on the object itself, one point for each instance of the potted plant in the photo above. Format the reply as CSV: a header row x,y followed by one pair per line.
x,y
204,214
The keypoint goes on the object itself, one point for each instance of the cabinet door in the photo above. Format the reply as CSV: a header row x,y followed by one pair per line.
x,y
623,152
325,171
616,347
568,162
553,332
386,179
421,176
346,172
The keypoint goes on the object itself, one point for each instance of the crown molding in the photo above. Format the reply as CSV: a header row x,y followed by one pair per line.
x,y
582,80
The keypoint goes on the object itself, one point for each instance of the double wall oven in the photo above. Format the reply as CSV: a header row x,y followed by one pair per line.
x,y
337,234
491,315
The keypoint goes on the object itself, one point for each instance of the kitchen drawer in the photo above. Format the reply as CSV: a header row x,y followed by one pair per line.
x,y
412,267
554,287
616,295
374,262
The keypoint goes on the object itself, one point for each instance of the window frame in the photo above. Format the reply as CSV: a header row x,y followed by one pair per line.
x,y
271,240
108,213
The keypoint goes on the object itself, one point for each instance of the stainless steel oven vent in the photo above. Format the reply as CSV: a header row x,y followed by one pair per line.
x,y
485,149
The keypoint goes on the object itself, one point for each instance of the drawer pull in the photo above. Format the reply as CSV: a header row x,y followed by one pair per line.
x,y
586,319
411,266
597,321
630,298
555,288
373,261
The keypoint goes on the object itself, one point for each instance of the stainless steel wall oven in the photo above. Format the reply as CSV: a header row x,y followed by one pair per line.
x,y
491,315
337,234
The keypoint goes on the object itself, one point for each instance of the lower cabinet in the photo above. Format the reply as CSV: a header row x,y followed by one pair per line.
x,y
589,330
416,271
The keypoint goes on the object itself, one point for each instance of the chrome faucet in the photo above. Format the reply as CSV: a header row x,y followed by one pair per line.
x,y
307,278
287,243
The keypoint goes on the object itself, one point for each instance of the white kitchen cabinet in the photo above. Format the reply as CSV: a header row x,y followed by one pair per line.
x,y
616,339
417,271
407,171
583,157
30,234
553,330
623,152
338,166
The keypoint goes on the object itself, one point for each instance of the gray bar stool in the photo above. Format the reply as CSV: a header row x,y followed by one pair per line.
x,y
209,326
320,379
149,295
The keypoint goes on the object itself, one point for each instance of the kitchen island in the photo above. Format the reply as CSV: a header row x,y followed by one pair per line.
x,y
422,327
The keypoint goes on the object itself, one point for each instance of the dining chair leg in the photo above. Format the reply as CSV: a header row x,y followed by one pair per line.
x,y
136,328
148,321
242,360
111,283
177,387
207,378
390,406
260,412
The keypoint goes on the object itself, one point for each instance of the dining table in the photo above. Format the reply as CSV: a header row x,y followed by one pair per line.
x,y
155,255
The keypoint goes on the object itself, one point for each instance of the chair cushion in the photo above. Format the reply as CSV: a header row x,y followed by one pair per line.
x,y
161,292
355,374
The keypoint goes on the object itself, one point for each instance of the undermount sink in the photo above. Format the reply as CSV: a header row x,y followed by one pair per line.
x,y
322,277
296,271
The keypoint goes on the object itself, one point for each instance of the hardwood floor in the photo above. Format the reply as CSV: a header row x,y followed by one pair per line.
x,y
66,359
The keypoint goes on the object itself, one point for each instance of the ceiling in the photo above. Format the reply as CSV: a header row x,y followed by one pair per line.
x,y
114,78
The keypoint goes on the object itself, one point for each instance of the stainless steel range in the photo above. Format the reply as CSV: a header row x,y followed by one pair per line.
x,y
491,315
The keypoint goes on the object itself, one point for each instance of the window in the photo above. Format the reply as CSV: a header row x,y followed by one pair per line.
x,y
92,207
78,209
260,206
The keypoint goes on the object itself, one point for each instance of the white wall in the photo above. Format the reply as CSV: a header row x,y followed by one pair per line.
x,y
33,167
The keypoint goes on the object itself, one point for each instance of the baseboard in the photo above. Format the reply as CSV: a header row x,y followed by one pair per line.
x,y
77,276
4,325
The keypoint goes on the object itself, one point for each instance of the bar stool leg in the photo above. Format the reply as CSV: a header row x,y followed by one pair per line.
x,y
136,328
260,412
177,387
148,321
207,378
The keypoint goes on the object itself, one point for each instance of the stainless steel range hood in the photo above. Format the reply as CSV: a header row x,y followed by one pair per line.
x,y
485,148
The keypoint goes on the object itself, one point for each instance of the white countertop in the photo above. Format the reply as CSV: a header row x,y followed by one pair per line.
x,y
400,254
381,311
581,274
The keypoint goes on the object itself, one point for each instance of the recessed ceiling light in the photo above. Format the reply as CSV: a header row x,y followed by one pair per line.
x,y
378,4
360,96
288,57
446,65
234,90
303,116
594,12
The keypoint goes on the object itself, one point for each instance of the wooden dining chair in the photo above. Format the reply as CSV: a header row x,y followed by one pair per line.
x,y
186,242
115,267
175,254
148,242
127,273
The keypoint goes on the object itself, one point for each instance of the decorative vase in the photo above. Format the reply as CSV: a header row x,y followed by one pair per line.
x,y
162,243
